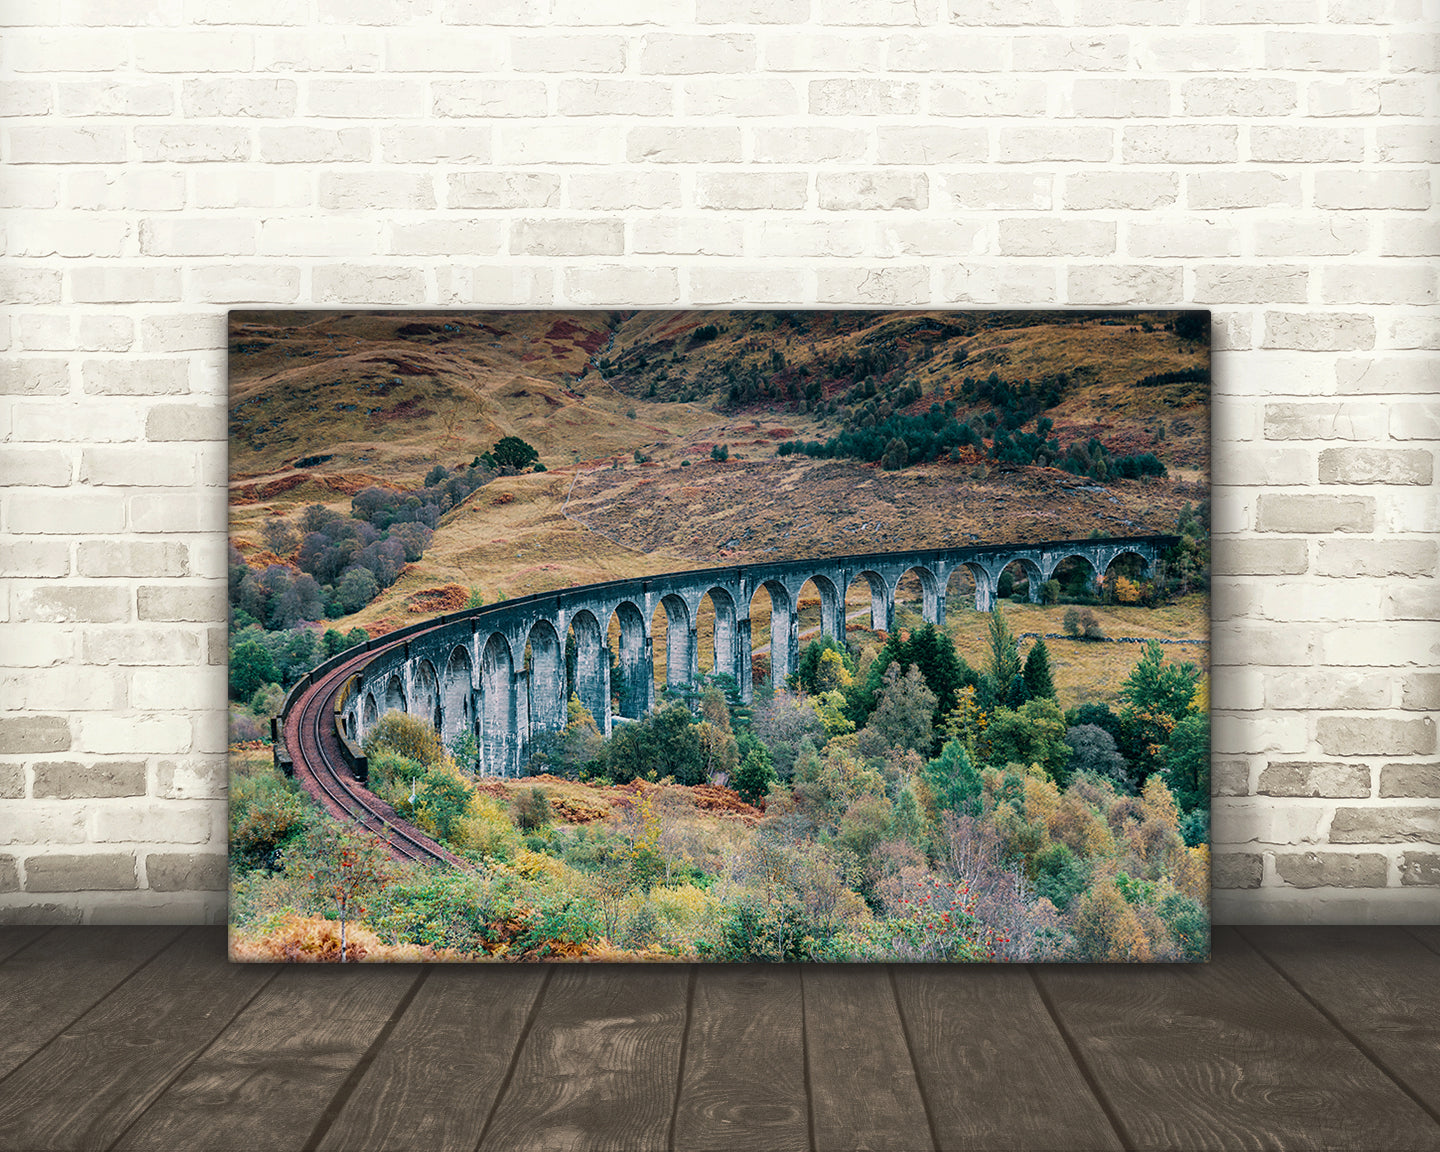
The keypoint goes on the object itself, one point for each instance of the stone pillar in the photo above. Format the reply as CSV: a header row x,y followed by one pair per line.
x,y
986,586
520,731
742,660
789,627
692,641
940,608
882,609
647,676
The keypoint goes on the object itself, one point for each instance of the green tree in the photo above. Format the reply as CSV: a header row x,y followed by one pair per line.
x,y
1038,681
441,799
251,665
512,452
1032,734
1156,687
356,588
345,865
664,743
752,779
1187,762
405,735
1004,654
953,781
903,716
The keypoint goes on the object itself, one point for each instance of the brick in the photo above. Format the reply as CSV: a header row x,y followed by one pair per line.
x,y
34,238
1190,238
185,422
919,237
35,468
445,237
1180,144
1376,466
132,377
33,376
888,285
1324,421
1333,869
1242,189
1114,99
1373,190
807,145
335,235
674,54
1421,692
489,98
987,97
1347,97
1298,144
1330,688
1002,191
1412,330
856,96
989,284
504,12
33,558
358,284
1322,52
168,602
1309,236
194,778
69,780
578,143
94,872
1407,236
1236,870
21,734
1420,869
237,97
131,285
1375,736
302,144
371,191
67,144
1300,778
1238,96
247,186
1315,514
172,822
1386,825
197,237
186,871
623,189
1230,778
191,50
29,285
335,50
1408,144
1056,237
1378,284
1137,190
877,12
1420,602
73,604
752,190
37,645
752,11
1239,284
68,513
872,191
9,874
737,96
491,284
810,51
366,98
1197,51
26,98
1027,145
1382,558
715,286
556,53
678,236
1070,52
559,237
1264,821
138,735
191,143
622,284
503,190
1410,781
131,646
931,144
591,97
193,332
1004,13
1262,644
1123,284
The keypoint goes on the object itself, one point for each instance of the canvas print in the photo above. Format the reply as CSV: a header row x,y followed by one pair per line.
x,y
790,635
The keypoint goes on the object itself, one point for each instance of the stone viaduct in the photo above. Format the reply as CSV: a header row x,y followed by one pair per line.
x,y
501,672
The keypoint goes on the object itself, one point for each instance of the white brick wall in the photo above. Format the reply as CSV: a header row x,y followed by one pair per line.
x,y
1269,159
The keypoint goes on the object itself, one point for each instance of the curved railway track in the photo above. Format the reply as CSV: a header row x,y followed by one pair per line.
x,y
321,769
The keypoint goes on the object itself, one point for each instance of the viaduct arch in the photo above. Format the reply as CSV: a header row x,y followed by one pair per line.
x,y
504,673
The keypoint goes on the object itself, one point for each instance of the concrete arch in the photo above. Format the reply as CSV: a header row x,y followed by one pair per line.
x,y
369,713
832,605
727,658
1034,576
426,687
680,643
1145,564
932,592
457,695
1093,574
499,734
882,604
632,679
784,630
395,694
545,678
592,667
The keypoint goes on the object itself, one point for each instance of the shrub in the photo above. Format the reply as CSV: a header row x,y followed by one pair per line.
x,y
405,735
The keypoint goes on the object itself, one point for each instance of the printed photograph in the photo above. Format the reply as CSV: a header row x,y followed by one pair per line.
x,y
719,636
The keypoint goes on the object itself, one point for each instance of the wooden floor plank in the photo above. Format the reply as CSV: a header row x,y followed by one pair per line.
x,y
598,1070
436,1079
744,1084
93,1080
1379,984
978,1032
61,976
14,937
1227,1055
269,1078
863,1089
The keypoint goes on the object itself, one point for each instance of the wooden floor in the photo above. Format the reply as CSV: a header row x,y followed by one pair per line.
x,y
146,1038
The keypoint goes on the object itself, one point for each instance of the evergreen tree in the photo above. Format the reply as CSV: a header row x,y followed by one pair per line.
x,y
1037,672
1004,655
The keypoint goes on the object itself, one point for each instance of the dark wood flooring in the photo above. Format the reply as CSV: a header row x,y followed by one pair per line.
x,y
146,1038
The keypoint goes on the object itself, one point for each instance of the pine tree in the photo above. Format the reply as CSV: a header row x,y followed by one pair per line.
x,y
1004,655
1037,672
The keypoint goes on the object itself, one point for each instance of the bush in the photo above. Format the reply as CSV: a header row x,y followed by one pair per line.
x,y
407,736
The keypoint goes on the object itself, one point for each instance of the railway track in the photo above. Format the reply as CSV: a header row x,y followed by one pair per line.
x,y
321,769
